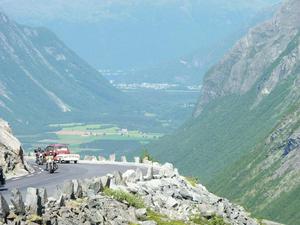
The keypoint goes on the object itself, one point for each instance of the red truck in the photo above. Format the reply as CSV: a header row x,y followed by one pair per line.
x,y
62,153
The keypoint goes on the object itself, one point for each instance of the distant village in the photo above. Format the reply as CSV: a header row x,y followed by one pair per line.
x,y
154,86
90,133
121,132
111,75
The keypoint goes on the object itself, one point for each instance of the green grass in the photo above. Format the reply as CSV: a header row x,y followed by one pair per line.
x,y
215,220
163,219
122,196
284,209
146,154
34,218
192,181
106,132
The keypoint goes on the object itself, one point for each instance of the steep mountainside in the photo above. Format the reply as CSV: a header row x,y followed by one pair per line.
x,y
244,137
42,80
11,153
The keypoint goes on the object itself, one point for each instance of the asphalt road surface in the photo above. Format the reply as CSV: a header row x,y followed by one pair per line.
x,y
43,179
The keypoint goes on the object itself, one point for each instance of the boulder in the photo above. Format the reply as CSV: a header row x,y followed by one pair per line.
x,y
150,173
77,189
139,175
167,170
90,158
33,202
61,201
141,213
137,159
147,161
171,202
84,186
185,194
95,185
208,214
123,159
105,180
17,202
95,218
129,176
118,179
43,195
101,158
68,190
156,164
112,157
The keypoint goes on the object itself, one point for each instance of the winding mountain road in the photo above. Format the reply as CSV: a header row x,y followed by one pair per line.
x,y
42,179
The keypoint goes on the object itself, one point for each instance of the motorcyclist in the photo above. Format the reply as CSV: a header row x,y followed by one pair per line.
x,y
49,157
39,154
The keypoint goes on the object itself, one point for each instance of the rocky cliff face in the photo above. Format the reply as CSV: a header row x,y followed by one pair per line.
x,y
265,57
244,138
11,153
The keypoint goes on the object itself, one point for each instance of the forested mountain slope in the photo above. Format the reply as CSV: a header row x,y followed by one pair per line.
x,y
243,140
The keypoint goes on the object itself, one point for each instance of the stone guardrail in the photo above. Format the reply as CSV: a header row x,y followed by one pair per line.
x,y
111,159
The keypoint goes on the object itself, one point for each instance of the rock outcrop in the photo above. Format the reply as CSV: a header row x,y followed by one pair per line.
x,y
263,59
128,198
11,152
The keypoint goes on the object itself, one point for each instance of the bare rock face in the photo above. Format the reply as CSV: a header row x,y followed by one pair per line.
x,y
262,59
11,152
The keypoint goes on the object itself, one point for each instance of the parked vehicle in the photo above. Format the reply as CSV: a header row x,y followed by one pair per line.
x,y
62,153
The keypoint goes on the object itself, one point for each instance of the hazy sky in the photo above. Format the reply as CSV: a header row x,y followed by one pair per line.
x,y
95,10
138,33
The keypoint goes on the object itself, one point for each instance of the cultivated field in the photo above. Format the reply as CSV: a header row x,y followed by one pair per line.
x,y
101,138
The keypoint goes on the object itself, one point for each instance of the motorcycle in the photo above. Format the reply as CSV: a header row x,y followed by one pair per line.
x,y
39,159
51,165
39,156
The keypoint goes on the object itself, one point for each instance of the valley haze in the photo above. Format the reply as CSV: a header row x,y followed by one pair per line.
x,y
158,98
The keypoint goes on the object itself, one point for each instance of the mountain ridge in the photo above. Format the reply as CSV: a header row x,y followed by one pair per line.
x,y
233,84
42,78
243,139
